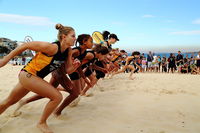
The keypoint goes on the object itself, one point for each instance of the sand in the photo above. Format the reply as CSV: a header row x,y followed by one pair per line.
x,y
152,103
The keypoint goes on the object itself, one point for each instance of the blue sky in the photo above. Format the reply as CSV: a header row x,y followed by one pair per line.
x,y
157,25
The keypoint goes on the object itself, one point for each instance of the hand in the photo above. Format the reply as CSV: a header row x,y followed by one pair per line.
x,y
105,70
76,63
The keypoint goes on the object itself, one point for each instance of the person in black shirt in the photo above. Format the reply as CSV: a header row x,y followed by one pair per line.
x,y
179,60
171,64
109,39
149,61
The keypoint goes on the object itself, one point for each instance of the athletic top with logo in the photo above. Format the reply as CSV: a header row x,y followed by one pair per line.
x,y
41,64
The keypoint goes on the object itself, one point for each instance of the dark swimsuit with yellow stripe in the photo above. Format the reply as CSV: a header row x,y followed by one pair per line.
x,y
41,64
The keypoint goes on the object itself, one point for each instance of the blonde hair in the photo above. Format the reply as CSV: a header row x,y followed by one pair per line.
x,y
63,30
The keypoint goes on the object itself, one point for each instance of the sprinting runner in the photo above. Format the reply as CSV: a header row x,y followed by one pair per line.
x,y
131,63
72,86
49,57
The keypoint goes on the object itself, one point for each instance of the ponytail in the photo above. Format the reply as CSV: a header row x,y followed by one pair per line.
x,y
105,35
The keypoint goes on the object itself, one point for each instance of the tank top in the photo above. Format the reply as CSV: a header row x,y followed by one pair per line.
x,y
41,64
81,55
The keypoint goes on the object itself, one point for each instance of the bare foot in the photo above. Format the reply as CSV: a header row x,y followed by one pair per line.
x,y
82,93
44,128
57,114
16,111
89,95
75,102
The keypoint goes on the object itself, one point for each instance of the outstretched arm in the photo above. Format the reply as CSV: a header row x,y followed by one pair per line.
x,y
44,47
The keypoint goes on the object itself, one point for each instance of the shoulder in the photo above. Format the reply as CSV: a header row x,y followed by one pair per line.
x,y
53,49
90,55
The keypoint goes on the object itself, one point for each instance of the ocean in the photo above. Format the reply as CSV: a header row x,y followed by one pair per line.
x,y
168,54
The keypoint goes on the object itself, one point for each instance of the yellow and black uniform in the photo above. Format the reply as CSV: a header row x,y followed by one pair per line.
x,y
41,64
116,57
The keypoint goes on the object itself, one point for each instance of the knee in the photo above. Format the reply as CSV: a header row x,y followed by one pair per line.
x,y
58,97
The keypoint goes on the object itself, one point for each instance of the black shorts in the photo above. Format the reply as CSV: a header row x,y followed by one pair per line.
x,y
100,74
74,76
198,63
171,66
88,72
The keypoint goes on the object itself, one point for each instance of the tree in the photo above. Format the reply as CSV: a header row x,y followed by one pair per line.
x,y
4,49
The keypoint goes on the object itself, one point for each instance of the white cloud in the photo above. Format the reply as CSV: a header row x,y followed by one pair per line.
x,y
193,32
196,21
148,16
27,20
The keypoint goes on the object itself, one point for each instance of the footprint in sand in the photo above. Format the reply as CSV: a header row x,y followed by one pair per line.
x,y
15,114
181,114
166,92
89,95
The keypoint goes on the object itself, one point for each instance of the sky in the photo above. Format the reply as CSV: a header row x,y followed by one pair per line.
x,y
143,25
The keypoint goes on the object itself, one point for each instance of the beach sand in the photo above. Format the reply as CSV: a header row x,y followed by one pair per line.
x,y
152,103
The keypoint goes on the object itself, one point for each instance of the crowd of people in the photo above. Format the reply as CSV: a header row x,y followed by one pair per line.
x,y
172,63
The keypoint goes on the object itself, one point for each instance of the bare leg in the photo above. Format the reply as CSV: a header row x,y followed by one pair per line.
x,y
16,94
132,71
120,71
44,89
93,82
32,98
73,95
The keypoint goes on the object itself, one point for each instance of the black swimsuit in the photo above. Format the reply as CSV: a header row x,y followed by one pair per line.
x,y
75,75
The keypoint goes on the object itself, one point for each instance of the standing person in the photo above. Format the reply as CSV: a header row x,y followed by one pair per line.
x,y
159,63
23,60
144,64
179,61
198,61
149,61
49,57
164,64
171,65
155,64
192,60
